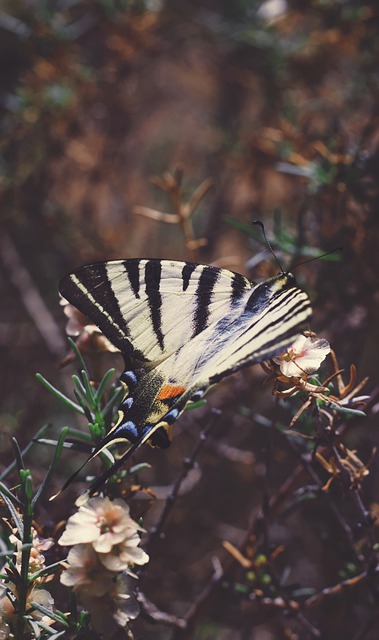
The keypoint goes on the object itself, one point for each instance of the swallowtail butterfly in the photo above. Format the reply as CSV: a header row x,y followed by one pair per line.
x,y
181,327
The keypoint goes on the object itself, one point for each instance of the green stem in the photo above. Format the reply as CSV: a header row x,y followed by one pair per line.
x,y
25,557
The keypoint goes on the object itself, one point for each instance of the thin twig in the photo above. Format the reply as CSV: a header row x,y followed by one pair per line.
x,y
157,615
188,464
31,297
218,574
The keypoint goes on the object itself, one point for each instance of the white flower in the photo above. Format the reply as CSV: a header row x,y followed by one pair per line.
x,y
303,357
127,553
106,542
101,522
46,600
85,573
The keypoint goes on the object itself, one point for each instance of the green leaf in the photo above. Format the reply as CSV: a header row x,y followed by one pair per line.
x,y
9,499
51,614
103,384
58,394
303,592
26,485
18,455
34,627
13,464
81,363
57,455
66,445
95,431
90,394
52,568
16,576
114,401
195,405
82,404
79,385
137,468
346,410
8,552
76,433
7,493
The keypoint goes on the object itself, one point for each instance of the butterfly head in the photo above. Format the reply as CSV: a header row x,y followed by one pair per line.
x,y
289,280
284,280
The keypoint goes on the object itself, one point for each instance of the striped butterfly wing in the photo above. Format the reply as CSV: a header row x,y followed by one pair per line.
x,y
181,328
261,324
150,308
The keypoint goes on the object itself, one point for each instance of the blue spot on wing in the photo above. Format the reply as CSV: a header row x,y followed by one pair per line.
x,y
129,378
171,416
127,403
127,430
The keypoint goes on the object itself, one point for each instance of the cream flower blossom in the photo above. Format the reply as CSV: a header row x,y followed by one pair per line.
x,y
115,609
85,573
304,357
124,554
106,544
36,559
46,600
35,594
6,606
102,522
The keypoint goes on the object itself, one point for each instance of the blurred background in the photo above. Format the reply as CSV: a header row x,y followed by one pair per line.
x,y
276,106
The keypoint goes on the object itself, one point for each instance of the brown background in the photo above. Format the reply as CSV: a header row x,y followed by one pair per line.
x,y
96,98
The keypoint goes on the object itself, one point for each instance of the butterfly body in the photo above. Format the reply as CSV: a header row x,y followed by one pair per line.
x,y
181,328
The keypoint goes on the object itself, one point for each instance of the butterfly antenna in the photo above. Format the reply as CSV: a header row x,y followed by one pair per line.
x,y
260,224
339,248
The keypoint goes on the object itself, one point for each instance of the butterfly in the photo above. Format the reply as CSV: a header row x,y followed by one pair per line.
x,y
181,327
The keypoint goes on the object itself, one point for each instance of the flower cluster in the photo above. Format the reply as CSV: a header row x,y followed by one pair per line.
x,y
36,558
9,593
105,546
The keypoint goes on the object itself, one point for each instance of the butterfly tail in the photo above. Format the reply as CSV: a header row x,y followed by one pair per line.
x,y
72,477
109,439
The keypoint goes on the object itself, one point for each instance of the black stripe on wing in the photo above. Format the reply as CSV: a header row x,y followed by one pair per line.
x,y
204,292
285,299
187,272
153,271
90,290
238,288
132,269
292,324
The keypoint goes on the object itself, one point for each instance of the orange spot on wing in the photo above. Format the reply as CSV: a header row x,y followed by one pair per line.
x,y
170,391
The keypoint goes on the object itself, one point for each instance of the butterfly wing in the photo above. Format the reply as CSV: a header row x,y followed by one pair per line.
x,y
150,308
181,327
262,324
